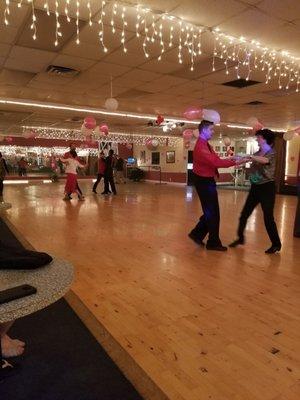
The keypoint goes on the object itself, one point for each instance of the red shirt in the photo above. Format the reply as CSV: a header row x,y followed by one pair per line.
x,y
206,162
101,166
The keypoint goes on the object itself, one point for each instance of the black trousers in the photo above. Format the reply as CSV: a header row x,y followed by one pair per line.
x,y
109,180
99,177
209,222
264,195
1,187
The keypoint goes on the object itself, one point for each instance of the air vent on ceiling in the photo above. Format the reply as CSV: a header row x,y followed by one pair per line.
x,y
74,119
61,71
255,103
240,83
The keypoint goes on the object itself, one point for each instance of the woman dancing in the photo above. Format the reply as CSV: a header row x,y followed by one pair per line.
x,y
262,178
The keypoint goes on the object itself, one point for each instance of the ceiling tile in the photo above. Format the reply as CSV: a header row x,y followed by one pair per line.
x,y
4,49
140,75
15,78
83,50
163,67
286,9
208,12
108,69
129,59
243,25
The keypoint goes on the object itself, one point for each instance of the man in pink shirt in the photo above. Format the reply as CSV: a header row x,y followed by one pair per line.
x,y
205,167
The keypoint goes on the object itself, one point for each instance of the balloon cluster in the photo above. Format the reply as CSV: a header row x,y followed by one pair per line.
x,y
29,134
289,135
159,120
227,143
152,144
89,127
197,113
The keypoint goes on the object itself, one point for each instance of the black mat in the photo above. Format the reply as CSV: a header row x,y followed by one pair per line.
x,y
62,361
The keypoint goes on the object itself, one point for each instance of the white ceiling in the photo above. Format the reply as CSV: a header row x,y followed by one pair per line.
x,y
142,85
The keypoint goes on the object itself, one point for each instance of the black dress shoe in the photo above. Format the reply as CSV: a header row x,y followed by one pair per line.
x,y
237,242
273,249
217,247
196,239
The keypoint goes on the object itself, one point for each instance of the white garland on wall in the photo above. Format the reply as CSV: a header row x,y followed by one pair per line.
x,y
163,28
116,137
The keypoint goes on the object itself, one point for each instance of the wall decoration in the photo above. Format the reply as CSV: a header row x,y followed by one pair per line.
x,y
170,157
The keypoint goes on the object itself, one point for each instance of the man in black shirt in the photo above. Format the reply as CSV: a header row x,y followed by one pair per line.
x,y
108,174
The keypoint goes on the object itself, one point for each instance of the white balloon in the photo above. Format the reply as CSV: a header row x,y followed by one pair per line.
x,y
155,142
226,140
111,104
252,121
212,116
289,135
85,131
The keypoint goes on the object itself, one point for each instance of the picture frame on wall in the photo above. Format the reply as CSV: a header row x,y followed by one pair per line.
x,y
143,157
170,157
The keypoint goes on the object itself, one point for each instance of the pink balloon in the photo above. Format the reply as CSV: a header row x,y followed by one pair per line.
x,y
187,134
104,129
8,139
149,144
89,122
193,113
129,146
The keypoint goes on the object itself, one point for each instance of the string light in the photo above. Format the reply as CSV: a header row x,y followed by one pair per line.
x,y
67,10
112,21
77,22
249,55
146,38
90,12
124,24
57,31
101,31
117,137
33,25
161,42
46,7
6,12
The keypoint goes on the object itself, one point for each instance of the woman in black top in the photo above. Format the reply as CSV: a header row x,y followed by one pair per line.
x,y
262,178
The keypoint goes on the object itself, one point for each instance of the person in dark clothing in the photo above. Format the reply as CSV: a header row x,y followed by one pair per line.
x,y
3,172
120,170
262,178
108,174
101,171
22,165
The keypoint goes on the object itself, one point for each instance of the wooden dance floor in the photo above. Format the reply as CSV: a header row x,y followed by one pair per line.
x,y
184,323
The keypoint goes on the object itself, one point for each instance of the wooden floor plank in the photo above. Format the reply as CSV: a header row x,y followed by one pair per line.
x,y
200,324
